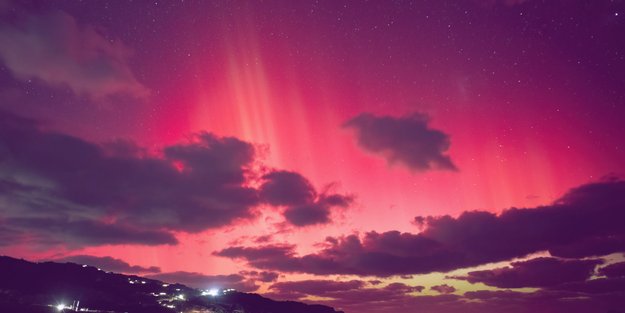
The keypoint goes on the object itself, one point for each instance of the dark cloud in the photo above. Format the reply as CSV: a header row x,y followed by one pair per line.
x,y
263,276
317,212
304,206
108,263
53,48
544,301
287,188
267,252
85,232
608,298
407,140
203,281
599,245
322,288
595,211
538,272
443,289
613,270
59,186
8,236
595,286
354,290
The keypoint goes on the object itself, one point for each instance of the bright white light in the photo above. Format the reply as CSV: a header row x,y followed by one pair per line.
x,y
60,307
180,297
213,292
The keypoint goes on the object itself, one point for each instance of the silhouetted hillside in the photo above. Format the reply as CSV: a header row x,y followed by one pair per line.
x,y
27,287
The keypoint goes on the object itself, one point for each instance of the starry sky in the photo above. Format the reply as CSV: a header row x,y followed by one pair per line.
x,y
374,156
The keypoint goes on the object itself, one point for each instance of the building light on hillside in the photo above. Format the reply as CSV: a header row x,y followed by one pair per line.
x,y
211,292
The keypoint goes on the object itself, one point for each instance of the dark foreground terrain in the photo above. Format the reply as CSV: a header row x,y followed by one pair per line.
x,y
27,287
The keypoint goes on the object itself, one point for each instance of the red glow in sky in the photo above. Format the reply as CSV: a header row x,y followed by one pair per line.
x,y
528,96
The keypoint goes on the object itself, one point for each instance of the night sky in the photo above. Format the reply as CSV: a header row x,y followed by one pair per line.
x,y
375,156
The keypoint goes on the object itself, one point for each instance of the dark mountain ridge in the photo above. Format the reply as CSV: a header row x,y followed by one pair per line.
x,y
27,287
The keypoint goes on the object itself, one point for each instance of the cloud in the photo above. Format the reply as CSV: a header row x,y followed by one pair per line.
x,y
84,232
595,286
538,272
203,281
263,276
354,290
321,288
545,301
267,256
287,188
397,297
407,140
317,212
56,187
304,206
55,49
613,270
594,211
443,289
108,263
599,245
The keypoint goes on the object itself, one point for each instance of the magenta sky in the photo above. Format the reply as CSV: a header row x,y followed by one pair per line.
x,y
365,155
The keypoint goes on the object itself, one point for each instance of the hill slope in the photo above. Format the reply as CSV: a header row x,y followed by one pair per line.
x,y
27,287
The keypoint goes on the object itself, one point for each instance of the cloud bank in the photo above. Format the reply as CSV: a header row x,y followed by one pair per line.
x,y
57,189
539,272
594,211
55,49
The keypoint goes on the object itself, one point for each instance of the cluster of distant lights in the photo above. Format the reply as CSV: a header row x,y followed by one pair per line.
x,y
74,307
213,292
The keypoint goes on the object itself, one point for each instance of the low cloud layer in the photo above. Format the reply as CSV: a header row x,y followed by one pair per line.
x,y
539,272
597,295
60,189
594,211
262,276
354,290
110,264
406,140
53,48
